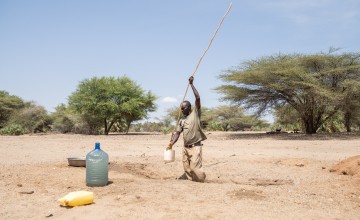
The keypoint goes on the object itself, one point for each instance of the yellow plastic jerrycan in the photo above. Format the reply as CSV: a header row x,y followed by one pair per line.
x,y
77,198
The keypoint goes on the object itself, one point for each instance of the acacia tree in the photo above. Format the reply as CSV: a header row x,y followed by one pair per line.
x,y
104,101
287,117
9,104
137,108
314,85
229,118
350,105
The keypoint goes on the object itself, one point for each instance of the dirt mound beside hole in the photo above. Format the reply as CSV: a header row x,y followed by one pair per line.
x,y
349,166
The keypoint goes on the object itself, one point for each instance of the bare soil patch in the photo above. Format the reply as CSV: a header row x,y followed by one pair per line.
x,y
349,166
249,176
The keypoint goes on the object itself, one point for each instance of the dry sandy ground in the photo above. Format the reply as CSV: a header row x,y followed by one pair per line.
x,y
249,176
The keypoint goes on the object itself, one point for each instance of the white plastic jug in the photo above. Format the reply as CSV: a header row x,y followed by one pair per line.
x,y
169,155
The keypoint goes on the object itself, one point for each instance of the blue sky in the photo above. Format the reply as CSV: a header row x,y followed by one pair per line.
x,y
48,47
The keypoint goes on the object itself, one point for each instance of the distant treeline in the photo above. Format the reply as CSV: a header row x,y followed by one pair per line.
x,y
305,93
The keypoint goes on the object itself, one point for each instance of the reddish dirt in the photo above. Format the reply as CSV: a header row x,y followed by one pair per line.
x,y
349,166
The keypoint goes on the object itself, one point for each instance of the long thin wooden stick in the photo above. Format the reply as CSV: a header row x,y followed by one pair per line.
x,y
198,63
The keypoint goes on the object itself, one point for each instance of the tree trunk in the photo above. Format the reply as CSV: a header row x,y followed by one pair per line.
x,y
128,128
348,121
309,125
108,127
106,131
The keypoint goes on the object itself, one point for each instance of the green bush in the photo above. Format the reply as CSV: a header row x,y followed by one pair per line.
x,y
167,130
12,129
34,119
214,126
63,125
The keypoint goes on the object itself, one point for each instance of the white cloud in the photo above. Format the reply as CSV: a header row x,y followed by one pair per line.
x,y
169,100
301,19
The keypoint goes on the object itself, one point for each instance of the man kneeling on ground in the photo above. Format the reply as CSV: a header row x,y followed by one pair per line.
x,y
190,126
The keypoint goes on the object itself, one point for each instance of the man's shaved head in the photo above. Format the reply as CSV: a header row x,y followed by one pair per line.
x,y
186,107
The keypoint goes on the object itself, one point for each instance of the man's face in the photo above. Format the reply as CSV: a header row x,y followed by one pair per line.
x,y
185,108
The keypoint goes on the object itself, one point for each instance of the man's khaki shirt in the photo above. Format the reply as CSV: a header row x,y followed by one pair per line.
x,y
191,128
